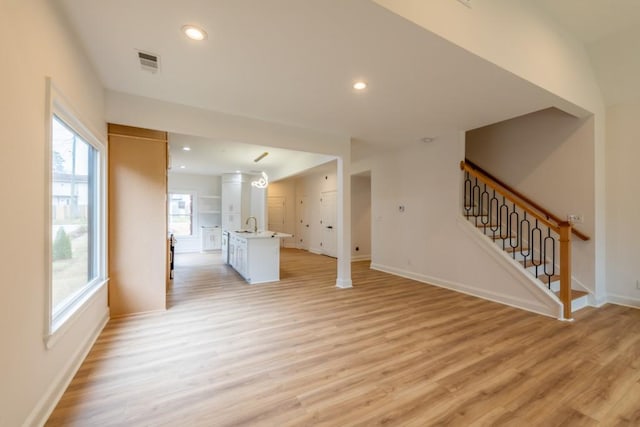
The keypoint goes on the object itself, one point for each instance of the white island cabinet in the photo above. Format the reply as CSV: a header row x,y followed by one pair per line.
x,y
256,256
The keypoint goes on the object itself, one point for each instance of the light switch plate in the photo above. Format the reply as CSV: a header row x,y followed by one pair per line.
x,y
575,218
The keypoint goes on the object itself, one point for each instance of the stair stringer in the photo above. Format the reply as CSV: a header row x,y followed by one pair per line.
x,y
521,277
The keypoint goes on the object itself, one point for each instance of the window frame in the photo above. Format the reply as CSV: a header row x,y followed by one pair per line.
x,y
194,225
58,322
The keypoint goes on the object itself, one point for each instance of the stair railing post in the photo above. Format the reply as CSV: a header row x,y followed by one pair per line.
x,y
565,268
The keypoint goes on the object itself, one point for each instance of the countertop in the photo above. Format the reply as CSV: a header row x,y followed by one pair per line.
x,y
248,234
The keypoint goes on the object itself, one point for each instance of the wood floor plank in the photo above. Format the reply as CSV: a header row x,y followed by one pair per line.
x,y
389,351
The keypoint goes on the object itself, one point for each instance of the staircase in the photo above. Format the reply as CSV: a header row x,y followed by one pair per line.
x,y
538,241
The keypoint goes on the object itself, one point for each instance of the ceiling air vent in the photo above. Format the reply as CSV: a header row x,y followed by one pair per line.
x,y
149,62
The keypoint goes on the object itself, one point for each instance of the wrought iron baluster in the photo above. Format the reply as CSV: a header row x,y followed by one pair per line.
x,y
484,201
549,243
467,195
504,222
514,219
493,214
475,195
536,245
525,223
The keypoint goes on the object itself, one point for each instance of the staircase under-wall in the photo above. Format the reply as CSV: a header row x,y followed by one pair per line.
x,y
528,234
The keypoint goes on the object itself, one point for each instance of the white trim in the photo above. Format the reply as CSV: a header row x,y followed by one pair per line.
x,y
623,300
195,225
360,258
292,245
316,251
344,284
56,389
58,105
64,323
469,290
595,301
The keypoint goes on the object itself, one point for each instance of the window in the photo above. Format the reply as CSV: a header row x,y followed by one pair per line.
x,y
181,214
77,250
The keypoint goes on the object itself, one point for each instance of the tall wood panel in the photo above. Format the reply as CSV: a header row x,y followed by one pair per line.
x,y
137,220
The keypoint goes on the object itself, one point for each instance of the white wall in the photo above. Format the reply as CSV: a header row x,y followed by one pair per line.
x,y
199,185
623,203
32,377
517,36
428,241
549,157
360,217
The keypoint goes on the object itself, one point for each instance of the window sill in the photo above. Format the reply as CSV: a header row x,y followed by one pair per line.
x,y
63,324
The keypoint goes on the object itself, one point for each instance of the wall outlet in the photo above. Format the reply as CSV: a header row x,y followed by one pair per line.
x,y
637,284
575,218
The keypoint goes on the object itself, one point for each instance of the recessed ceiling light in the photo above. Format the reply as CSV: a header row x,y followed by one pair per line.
x,y
185,148
359,85
194,33
427,139
182,166
237,171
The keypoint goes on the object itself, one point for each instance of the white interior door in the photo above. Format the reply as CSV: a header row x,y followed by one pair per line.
x,y
328,213
276,206
303,223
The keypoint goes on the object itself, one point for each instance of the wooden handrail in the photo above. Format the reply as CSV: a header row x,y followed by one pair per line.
x,y
522,199
503,191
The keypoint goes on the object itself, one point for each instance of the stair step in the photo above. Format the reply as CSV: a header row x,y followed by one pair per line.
x,y
545,278
530,263
574,294
527,263
498,237
510,250
496,226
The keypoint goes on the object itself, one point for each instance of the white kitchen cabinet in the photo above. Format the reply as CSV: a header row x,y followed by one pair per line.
x,y
235,201
256,256
211,238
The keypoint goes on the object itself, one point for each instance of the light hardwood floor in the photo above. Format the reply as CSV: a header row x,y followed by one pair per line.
x,y
389,351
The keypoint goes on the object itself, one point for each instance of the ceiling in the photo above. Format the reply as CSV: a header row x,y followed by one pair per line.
x,y
215,157
593,20
294,62
610,31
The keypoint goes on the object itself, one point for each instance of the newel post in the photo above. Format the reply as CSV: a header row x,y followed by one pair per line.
x,y
565,268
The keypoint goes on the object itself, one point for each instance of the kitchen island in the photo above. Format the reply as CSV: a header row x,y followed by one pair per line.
x,y
256,255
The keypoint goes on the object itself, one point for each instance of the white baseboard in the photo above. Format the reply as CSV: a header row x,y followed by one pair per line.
x,y
316,251
360,258
623,300
595,301
290,245
470,290
49,400
344,284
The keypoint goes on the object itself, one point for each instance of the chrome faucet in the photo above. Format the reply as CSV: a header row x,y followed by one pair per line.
x,y
255,223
